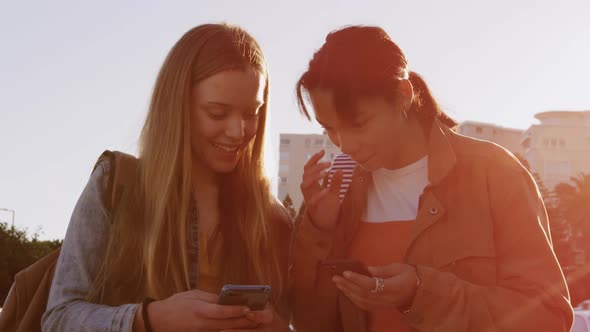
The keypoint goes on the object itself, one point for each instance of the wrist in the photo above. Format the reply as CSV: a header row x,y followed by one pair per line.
x,y
407,306
321,227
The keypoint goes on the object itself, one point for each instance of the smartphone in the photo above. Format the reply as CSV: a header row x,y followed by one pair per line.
x,y
338,266
254,297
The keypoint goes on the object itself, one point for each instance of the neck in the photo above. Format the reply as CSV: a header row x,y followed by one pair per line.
x,y
206,194
205,181
415,149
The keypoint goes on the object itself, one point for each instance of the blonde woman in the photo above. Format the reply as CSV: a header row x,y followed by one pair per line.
x,y
200,214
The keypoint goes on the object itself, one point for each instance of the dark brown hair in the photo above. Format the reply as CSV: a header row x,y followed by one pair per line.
x,y
361,61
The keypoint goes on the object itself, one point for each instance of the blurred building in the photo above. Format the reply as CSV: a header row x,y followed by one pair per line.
x,y
295,150
507,137
559,146
556,148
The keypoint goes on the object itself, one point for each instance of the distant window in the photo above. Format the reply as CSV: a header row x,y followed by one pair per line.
x,y
307,142
546,142
562,143
553,142
285,141
284,155
283,180
478,130
495,132
319,142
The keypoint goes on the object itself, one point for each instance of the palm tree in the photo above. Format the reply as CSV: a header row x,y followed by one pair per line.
x,y
574,201
545,193
573,208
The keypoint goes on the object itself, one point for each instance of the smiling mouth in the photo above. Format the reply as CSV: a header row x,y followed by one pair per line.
x,y
226,148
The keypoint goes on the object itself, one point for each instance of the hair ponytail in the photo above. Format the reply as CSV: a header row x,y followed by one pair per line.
x,y
424,106
361,61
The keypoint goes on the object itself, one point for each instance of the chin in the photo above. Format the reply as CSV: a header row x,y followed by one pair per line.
x,y
371,165
224,168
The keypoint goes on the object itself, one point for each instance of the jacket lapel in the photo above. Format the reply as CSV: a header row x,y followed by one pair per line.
x,y
429,213
441,161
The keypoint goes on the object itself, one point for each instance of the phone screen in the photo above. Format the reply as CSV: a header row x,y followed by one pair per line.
x,y
254,297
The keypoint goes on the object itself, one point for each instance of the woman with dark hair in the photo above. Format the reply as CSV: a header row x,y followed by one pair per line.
x,y
453,229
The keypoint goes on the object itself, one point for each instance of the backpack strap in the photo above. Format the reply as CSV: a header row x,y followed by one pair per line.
x,y
27,300
123,174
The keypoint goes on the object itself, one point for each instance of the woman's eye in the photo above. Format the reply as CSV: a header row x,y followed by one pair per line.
x,y
217,115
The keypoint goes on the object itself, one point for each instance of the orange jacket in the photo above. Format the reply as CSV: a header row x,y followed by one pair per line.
x,y
481,244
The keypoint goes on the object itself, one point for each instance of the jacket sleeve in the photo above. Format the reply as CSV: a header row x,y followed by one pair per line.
x,y
283,234
312,309
81,254
530,293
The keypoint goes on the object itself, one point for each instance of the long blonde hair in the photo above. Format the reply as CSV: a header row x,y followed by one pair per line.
x,y
147,252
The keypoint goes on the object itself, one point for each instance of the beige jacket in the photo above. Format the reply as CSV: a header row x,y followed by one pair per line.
x,y
481,244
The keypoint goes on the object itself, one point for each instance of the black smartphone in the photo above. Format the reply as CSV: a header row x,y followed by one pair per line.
x,y
254,297
338,266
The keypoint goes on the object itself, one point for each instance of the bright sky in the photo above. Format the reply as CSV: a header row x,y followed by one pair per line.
x,y
76,76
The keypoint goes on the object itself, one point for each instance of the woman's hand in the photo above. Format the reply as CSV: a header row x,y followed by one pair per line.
x,y
267,320
322,202
399,288
196,310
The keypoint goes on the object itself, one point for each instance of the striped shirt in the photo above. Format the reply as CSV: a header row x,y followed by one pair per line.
x,y
344,163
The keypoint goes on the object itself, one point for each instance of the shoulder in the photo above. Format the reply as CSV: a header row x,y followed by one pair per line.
x,y
480,153
501,167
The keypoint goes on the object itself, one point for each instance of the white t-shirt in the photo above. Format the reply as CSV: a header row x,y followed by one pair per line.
x,y
393,194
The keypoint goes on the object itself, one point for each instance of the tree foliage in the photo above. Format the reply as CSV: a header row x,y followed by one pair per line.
x,y
18,251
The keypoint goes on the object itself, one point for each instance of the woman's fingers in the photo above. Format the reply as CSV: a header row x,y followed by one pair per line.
x,y
347,286
317,197
200,296
312,176
217,311
264,317
314,159
228,324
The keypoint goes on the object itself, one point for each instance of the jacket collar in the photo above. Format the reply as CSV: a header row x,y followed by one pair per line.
x,y
441,155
